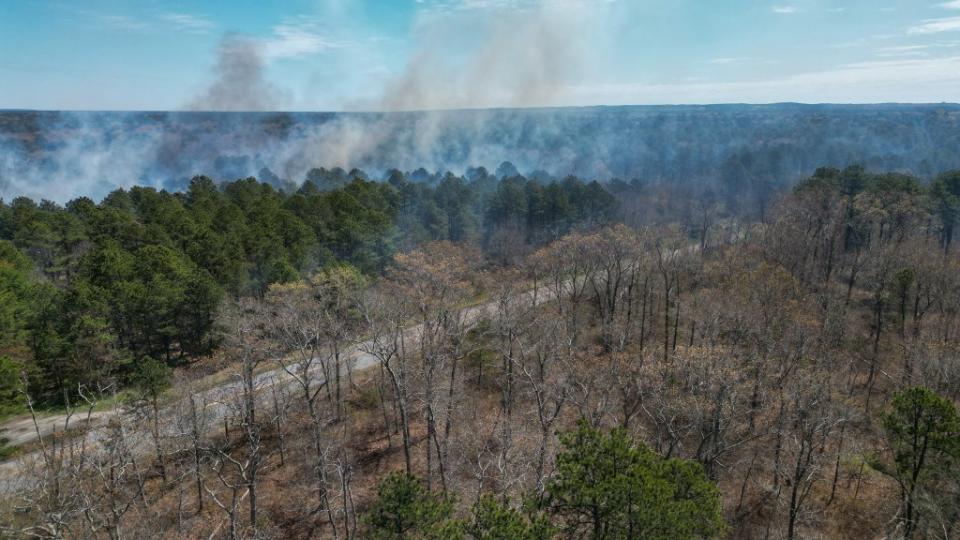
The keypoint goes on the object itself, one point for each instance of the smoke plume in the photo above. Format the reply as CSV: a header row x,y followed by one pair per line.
x,y
239,83
510,57
466,55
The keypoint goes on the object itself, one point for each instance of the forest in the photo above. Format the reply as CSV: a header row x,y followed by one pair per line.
x,y
94,289
750,151
485,356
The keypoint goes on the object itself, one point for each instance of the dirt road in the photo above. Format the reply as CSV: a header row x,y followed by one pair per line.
x,y
218,402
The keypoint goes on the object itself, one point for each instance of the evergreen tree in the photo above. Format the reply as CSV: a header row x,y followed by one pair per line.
x,y
493,520
923,430
605,486
405,509
945,197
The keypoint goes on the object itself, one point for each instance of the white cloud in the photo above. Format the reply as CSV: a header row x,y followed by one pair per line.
x,y
190,23
122,22
732,60
295,40
933,26
785,10
915,50
953,4
453,7
184,22
903,50
901,80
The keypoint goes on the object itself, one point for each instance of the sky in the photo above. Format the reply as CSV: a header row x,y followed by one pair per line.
x,y
435,54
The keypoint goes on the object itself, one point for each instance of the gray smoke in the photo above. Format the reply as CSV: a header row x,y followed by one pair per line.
x,y
513,58
239,83
472,58
60,156
463,58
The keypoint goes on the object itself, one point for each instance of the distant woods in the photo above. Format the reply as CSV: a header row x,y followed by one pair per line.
x,y
91,289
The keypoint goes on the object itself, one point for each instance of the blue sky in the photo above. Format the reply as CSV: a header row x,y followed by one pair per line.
x,y
413,54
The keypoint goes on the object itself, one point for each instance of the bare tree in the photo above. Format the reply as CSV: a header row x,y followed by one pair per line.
x,y
435,281
54,492
386,320
245,340
115,477
620,273
567,266
194,423
813,420
296,327
542,363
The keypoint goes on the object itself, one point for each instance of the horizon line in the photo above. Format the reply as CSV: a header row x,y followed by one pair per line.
x,y
479,109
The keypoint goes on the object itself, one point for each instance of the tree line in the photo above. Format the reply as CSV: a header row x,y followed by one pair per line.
x,y
91,289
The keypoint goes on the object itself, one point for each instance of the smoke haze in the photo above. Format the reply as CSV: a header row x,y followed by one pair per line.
x,y
60,156
491,60
239,83
506,59
503,61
